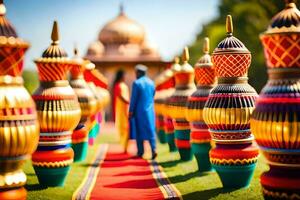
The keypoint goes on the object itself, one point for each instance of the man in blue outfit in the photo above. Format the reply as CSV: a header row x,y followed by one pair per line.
x,y
141,110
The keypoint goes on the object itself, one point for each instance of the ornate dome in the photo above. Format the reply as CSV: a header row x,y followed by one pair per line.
x,y
205,60
122,30
54,50
95,49
6,29
288,20
148,49
230,44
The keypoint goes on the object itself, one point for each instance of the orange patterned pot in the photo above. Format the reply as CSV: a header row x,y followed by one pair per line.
x,y
227,113
58,113
276,119
19,128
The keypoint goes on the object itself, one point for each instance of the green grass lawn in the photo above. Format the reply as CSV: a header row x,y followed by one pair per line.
x,y
74,178
194,185
184,175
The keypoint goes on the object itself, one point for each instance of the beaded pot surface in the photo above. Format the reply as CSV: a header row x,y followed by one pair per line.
x,y
19,130
227,113
276,118
200,136
185,86
88,106
58,113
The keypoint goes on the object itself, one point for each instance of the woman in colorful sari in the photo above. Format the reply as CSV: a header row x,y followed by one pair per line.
x,y
121,107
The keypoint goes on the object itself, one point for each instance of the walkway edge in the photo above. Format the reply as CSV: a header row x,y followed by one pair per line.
x,y
85,188
167,188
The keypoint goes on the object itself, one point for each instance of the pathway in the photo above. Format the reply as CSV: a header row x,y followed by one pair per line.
x,y
114,175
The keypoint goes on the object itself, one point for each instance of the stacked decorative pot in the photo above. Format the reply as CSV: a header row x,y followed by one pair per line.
x,y
227,113
184,79
88,106
58,113
276,118
158,106
19,129
98,86
200,136
168,122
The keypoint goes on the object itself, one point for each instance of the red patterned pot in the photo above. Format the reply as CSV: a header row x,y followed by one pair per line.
x,y
88,106
184,79
58,113
200,136
227,113
19,128
276,118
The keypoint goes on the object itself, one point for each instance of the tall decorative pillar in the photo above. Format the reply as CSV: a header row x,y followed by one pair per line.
x,y
169,90
88,106
185,86
98,85
19,130
58,113
276,118
200,136
158,104
227,113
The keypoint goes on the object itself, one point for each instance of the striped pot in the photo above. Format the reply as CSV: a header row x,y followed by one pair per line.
x,y
19,130
227,113
58,114
276,118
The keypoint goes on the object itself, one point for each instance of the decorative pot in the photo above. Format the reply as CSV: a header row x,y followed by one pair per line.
x,y
276,118
88,106
98,85
184,79
227,113
168,122
158,107
58,113
200,136
19,130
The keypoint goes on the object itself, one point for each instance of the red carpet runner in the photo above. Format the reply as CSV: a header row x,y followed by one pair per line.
x,y
120,176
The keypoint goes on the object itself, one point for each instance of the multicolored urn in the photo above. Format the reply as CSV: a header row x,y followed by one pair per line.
x,y
19,130
158,107
58,113
200,136
227,113
170,88
185,86
88,106
98,85
276,119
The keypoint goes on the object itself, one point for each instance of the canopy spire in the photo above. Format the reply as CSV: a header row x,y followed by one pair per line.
x,y
206,45
55,35
185,55
229,25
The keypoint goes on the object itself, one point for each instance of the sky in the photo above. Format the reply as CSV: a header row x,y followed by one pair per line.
x,y
170,24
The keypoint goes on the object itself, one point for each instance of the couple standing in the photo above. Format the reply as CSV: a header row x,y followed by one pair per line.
x,y
141,110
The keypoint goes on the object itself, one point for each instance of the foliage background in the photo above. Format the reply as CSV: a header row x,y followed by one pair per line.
x,y
250,18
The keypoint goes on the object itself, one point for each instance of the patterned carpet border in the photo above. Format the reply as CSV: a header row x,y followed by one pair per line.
x,y
167,188
84,190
